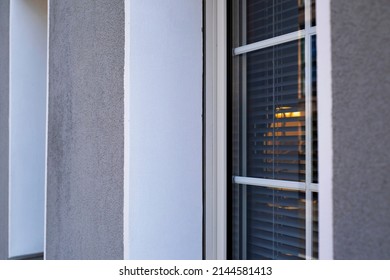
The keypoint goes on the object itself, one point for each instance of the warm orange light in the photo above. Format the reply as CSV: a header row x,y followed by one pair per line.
x,y
282,207
289,115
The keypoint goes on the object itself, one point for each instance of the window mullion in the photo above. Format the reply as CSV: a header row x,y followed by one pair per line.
x,y
308,132
244,130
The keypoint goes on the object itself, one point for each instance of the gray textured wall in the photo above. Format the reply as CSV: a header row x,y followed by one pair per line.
x,y
361,127
85,145
4,135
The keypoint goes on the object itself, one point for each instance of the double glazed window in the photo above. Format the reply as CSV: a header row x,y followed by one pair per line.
x,y
274,130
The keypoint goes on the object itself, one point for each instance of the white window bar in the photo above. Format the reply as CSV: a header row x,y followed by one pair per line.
x,y
308,134
277,184
274,41
269,183
269,42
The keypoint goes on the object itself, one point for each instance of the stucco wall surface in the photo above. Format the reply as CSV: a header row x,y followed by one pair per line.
x,y
361,102
85,130
4,132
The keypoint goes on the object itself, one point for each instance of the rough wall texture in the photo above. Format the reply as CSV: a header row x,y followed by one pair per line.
x,y
85,130
4,133
361,127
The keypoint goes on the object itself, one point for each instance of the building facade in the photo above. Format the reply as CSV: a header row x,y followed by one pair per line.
x,y
244,129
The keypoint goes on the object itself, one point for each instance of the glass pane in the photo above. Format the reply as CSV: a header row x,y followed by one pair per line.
x,y
269,108
237,210
313,13
314,105
237,110
270,18
315,225
271,226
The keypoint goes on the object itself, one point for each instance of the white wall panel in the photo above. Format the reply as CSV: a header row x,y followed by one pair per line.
x,y
28,47
164,200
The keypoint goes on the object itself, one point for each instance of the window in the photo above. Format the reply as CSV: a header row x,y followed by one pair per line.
x,y
274,195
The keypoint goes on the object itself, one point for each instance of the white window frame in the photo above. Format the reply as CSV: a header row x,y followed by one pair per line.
x,y
325,135
216,127
215,130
